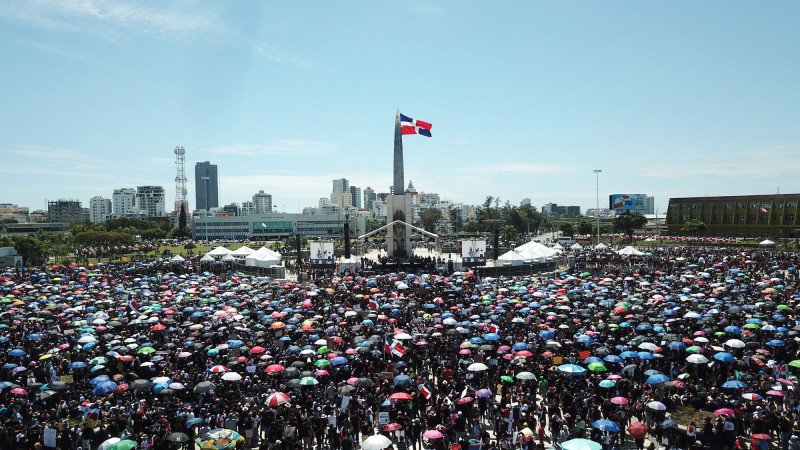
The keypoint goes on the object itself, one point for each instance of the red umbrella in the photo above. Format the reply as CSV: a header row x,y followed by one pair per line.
x,y
257,350
464,400
277,399
399,396
393,427
637,430
274,368
762,437
158,327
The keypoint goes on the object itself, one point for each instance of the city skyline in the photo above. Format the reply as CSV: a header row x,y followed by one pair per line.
x,y
673,100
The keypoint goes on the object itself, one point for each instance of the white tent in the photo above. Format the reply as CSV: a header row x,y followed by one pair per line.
x,y
558,247
242,251
206,258
262,257
536,251
601,247
512,258
229,258
630,251
576,246
766,243
177,259
218,252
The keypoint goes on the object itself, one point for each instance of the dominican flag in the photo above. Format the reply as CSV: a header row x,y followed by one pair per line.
x,y
386,347
763,210
425,391
133,305
492,328
411,126
398,349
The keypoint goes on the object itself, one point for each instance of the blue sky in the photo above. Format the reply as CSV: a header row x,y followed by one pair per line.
x,y
526,98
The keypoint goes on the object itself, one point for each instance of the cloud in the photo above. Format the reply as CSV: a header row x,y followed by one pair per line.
x,y
460,141
52,49
295,147
425,8
117,21
759,163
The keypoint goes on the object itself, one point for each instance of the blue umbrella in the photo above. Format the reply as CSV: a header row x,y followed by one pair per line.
x,y
104,388
547,334
235,343
193,421
775,343
613,359
17,352
677,345
99,379
592,359
520,346
77,365
733,330
724,357
491,337
657,379
646,356
402,380
629,354
734,384
606,425
339,361
571,369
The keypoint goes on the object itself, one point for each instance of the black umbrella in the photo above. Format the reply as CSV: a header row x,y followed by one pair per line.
x,y
668,424
140,385
179,438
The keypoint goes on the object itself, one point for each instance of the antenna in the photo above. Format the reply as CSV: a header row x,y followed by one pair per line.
x,y
180,179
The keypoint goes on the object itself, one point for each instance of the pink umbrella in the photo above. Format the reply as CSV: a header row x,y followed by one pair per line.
x,y
775,393
432,434
724,411
786,382
619,401
18,391
352,381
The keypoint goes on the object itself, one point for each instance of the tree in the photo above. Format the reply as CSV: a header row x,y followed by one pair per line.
x,y
628,221
429,218
694,226
102,238
455,219
567,229
508,233
584,227
182,221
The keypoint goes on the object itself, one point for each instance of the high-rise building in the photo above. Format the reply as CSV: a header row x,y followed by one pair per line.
x,y
262,202
369,197
65,211
248,208
99,209
123,202
206,185
341,185
342,200
150,199
355,197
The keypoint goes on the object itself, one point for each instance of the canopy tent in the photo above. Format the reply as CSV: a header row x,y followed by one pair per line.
x,y
630,251
229,258
512,258
766,243
207,258
242,251
558,247
262,257
601,246
576,246
218,252
177,259
536,251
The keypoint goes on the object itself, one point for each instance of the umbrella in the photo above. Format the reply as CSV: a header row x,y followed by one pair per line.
x,y
526,376
696,359
484,393
657,379
580,444
179,438
477,367
657,406
277,399
637,430
376,442
571,369
606,425
724,412
432,434
400,396
668,424
220,438
619,401
231,376
734,384
204,386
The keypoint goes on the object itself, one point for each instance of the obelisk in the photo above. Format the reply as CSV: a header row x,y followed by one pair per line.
x,y
398,238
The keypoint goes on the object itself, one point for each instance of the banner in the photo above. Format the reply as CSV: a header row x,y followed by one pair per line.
x,y
322,254
473,252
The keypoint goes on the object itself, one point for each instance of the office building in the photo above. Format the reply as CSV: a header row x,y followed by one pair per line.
x,y
758,216
275,226
123,202
247,208
341,185
65,211
355,197
99,209
369,197
206,185
150,200
554,209
262,202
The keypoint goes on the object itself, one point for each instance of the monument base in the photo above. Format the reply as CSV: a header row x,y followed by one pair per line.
x,y
398,236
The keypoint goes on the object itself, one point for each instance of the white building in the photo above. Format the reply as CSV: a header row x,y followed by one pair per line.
x,y
262,202
342,200
150,199
123,202
99,209
248,208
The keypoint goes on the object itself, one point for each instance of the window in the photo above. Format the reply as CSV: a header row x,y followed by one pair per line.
x,y
728,205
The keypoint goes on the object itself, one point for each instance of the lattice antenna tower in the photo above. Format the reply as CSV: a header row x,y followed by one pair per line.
x,y
180,179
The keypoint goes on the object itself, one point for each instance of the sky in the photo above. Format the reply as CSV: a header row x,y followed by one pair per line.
x,y
526,98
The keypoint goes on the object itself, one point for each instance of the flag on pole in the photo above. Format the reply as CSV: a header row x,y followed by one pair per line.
x,y
398,349
386,347
411,126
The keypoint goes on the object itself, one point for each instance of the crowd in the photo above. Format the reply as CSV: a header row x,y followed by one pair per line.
x,y
680,348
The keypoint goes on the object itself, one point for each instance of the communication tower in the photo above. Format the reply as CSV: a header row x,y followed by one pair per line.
x,y
180,179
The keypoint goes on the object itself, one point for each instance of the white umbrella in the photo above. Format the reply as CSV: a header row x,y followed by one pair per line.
x,y
526,376
697,359
734,343
376,442
403,336
231,376
649,346
108,443
657,406
477,367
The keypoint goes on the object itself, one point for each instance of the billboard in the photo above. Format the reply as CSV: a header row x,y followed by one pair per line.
x,y
322,253
473,251
630,202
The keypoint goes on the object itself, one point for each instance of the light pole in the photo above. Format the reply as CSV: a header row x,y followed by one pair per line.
x,y
597,207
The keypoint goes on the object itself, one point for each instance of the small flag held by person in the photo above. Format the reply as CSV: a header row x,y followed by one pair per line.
x,y
424,390
763,210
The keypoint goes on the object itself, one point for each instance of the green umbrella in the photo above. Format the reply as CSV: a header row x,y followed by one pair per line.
x,y
322,350
125,444
322,363
146,350
308,381
213,352
795,363
597,367
693,349
584,274
751,326
607,384
507,379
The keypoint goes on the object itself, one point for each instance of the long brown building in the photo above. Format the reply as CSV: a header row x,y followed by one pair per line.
x,y
738,215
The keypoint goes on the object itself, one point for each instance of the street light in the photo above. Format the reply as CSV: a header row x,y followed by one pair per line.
x,y
597,208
